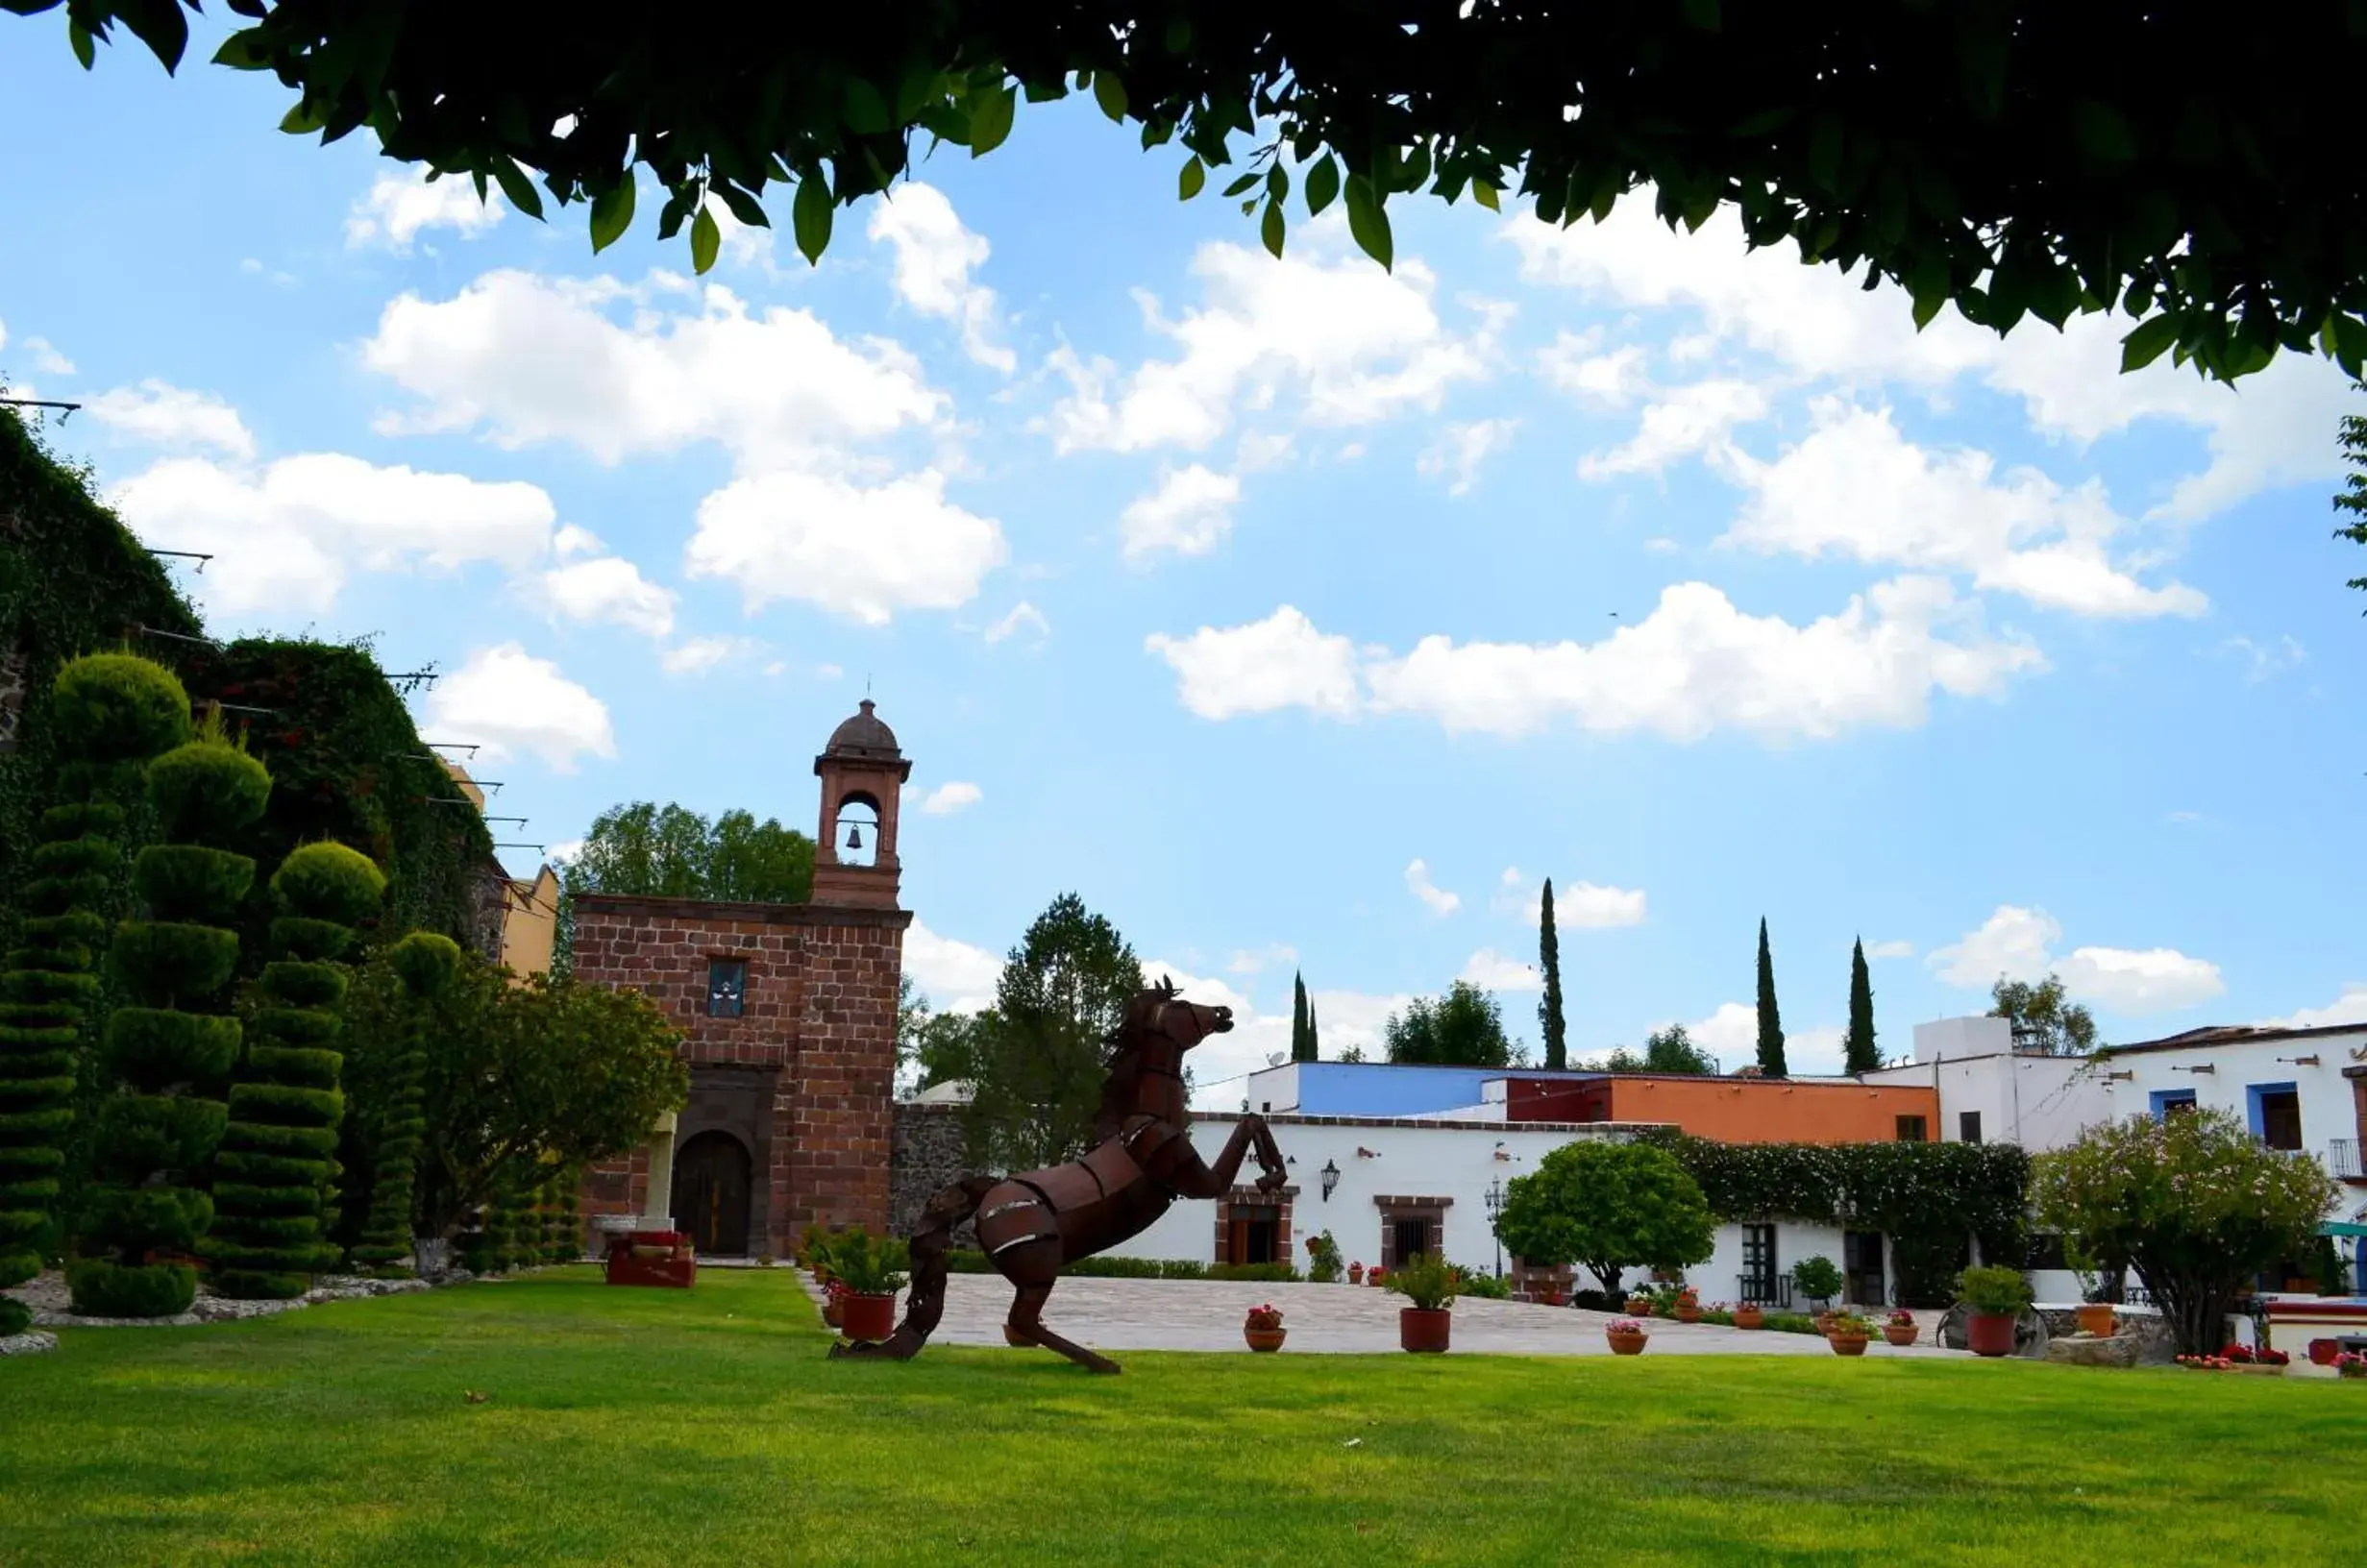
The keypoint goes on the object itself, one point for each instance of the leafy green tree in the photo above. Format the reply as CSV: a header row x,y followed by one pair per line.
x,y
1610,1207
109,714
2352,501
171,1051
270,1190
1859,1052
1672,1050
1549,1021
2193,1202
1038,1064
2043,1019
2015,159
424,965
1463,1028
673,852
1770,1019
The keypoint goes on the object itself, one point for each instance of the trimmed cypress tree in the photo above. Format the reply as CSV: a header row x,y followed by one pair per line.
x,y
1859,1053
176,1042
1770,1021
1315,1033
426,963
273,1176
110,713
1302,1028
566,1238
1550,1008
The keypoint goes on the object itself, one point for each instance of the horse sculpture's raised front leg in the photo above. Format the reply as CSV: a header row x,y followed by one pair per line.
x,y
1191,1177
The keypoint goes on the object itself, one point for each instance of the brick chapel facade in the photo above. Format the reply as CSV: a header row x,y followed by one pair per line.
x,y
789,1018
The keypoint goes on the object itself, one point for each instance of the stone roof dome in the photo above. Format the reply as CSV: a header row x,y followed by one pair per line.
x,y
863,735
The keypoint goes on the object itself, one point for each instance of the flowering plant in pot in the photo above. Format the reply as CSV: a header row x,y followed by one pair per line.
x,y
1626,1336
1749,1314
1356,1273
1263,1328
1995,1297
1323,1258
1686,1306
870,1270
1899,1327
833,1301
1428,1285
1638,1303
2351,1363
1376,1276
1848,1333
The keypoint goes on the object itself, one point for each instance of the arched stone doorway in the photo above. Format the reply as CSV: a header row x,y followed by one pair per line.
x,y
711,1193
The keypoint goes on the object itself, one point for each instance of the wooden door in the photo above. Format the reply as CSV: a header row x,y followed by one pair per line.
x,y
710,1194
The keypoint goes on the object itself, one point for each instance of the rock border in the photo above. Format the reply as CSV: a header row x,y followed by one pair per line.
x,y
33,1343
48,1298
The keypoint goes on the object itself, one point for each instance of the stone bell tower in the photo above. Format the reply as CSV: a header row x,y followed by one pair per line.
x,y
862,776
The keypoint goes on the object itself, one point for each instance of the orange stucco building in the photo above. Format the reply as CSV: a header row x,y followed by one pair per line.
x,y
1735,1110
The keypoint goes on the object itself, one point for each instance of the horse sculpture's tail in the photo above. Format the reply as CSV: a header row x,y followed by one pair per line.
x,y
926,1305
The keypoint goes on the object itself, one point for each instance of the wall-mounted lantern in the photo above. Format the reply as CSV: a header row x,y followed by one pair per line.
x,y
1331,1178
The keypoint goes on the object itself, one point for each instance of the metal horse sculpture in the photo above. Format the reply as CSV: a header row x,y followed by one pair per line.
x,y
1033,1222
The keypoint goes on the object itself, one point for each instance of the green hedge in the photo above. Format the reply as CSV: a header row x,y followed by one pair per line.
x,y
424,966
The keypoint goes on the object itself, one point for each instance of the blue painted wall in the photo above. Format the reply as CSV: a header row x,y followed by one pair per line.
x,y
1373,1088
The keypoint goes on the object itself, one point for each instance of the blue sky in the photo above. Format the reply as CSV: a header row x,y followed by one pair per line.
x,y
1296,614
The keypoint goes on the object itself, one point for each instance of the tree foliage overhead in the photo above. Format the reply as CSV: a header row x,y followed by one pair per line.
x,y
2353,500
674,852
2012,157
1464,1028
2042,1017
1671,1051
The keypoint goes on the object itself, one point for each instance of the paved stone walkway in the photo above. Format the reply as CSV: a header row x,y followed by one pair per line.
x,y
1337,1319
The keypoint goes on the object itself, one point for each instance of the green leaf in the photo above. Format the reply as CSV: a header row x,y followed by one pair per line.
x,y
243,51
1702,13
865,111
2104,136
613,213
78,36
1195,175
707,241
1277,183
1485,194
516,187
2145,345
1369,222
990,119
301,121
1243,183
810,216
1270,230
1323,183
1110,93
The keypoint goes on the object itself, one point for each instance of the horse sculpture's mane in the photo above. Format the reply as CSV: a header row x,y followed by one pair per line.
x,y
1125,1061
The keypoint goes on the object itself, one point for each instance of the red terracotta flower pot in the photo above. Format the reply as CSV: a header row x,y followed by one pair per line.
x,y
1626,1344
1266,1340
1423,1331
1846,1344
866,1317
1750,1317
1639,1306
2321,1352
2096,1318
1990,1334
1688,1314
1899,1334
1549,1298
833,1309
1356,1273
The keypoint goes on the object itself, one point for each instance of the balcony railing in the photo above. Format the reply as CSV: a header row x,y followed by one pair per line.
x,y
2342,1158
1763,1289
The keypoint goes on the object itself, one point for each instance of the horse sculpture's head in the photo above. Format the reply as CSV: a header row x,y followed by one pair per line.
x,y
1161,1014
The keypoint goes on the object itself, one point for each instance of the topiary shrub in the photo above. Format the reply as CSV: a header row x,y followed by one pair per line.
x,y
110,713
16,1318
143,1215
425,965
268,1239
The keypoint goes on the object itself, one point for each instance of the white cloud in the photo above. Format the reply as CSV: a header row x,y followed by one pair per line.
x,y
513,703
563,851
1352,343
955,976
934,257
398,207
861,553
1574,364
1855,486
168,416
1279,662
1695,666
1730,1036
1436,899
611,589
1683,420
1023,617
1189,511
2018,942
1256,960
286,536
572,540
2265,659
952,797
1589,906
1461,449
701,653
1491,971
1889,949
531,358
46,359
2351,1007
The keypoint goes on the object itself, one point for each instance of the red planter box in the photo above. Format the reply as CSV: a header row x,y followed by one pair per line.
x,y
866,1317
655,1257
1418,1330
1990,1334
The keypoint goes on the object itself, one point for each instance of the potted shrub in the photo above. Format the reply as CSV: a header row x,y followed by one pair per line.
x,y
834,1303
1375,1276
1428,1285
1627,1335
1899,1327
1749,1314
1638,1305
2351,1363
1995,1297
1263,1328
870,1270
1356,1273
1323,1258
1849,1334
1687,1306
1817,1280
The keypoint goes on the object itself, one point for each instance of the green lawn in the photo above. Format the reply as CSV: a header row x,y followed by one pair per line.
x,y
644,1426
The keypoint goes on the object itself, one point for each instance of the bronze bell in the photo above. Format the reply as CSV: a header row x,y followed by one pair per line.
x,y
854,836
